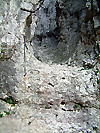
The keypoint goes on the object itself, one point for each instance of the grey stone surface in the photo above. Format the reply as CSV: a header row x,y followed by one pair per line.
x,y
57,32
55,79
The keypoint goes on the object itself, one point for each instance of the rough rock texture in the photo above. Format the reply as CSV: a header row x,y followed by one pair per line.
x,y
91,24
49,75
57,32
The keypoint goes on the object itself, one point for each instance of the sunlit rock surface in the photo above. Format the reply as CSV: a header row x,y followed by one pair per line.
x,y
49,66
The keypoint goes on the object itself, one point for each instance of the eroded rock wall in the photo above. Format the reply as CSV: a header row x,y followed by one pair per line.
x,y
66,23
91,24
13,29
49,95
59,23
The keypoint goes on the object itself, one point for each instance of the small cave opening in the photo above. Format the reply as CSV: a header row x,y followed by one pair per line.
x,y
46,36
56,34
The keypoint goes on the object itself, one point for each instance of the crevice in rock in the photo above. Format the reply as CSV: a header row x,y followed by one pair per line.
x,y
58,15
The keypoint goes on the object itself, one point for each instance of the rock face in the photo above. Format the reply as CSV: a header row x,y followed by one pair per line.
x,y
90,26
49,66
58,30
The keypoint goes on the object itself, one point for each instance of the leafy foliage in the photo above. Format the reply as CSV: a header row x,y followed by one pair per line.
x,y
1,115
26,46
29,122
7,113
76,106
8,100
96,72
47,107
98,81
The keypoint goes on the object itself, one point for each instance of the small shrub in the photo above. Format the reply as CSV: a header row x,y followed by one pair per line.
x,y
91,78
47,107
1,115
7,113
10,101
90,67
29,122
98,81
96,72
26,46
13,105
96,55
76,106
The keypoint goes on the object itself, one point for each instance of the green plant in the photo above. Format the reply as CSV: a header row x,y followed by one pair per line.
x,y
96,55
26,46
96,72
82,20
29,122
1,115
90,67
47,107
10,101
13,105
7,113
91,78
98,81
76,106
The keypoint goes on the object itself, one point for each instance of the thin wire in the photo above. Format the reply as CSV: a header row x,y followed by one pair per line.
x,y
24,58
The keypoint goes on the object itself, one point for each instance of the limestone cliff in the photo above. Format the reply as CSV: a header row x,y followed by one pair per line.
x,y
49,66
